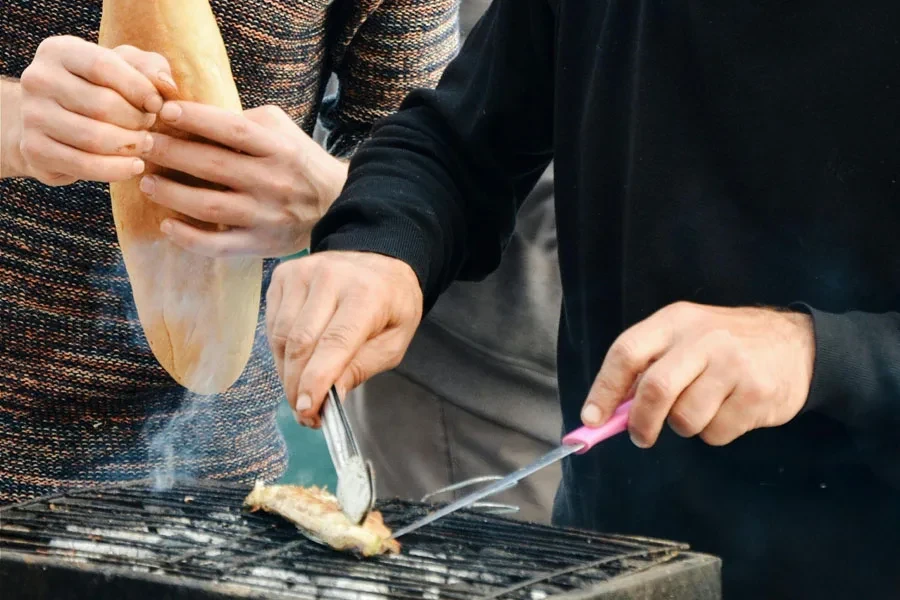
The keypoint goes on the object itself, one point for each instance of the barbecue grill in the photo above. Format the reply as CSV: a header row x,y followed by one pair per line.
x,y
195,541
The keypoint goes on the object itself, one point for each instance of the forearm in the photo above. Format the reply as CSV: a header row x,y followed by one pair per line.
x,y
11,162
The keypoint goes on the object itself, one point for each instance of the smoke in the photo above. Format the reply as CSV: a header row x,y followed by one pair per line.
x,y
176,450
177,438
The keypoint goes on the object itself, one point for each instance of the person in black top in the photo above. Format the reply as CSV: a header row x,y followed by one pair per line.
x,y
728,212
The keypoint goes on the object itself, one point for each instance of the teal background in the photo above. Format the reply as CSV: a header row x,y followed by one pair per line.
x,y
308,459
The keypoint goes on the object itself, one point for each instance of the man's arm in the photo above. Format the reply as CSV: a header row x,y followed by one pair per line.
x,y
403,45
438,184
856,379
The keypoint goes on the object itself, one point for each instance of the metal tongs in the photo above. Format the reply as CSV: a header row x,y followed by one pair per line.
x,y
578,442
356,478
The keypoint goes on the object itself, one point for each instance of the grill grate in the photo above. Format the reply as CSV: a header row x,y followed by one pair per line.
x,y
197,534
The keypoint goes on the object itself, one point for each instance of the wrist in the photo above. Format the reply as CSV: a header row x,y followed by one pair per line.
x,y
12,163
332,177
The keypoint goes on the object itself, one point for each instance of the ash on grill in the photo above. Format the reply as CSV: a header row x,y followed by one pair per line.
x,y
127,541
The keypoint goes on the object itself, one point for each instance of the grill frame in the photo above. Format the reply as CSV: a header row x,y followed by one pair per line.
x,y
655,565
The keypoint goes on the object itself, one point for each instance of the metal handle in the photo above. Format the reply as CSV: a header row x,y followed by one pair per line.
x,y
356,481
339,437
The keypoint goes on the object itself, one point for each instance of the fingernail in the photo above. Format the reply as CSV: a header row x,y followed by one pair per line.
x,y
166,227
170,111
137,167
591,415
166,79
304,402
640,444
147,146
148,185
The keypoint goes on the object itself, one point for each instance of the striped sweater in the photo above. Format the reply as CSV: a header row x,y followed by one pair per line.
x,y
82,399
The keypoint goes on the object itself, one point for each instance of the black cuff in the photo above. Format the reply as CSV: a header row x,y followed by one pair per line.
x,y
835,380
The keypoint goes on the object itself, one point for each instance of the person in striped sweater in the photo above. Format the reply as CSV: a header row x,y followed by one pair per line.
x,y
82,399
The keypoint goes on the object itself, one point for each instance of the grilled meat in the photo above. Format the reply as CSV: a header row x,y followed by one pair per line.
x,y
318,514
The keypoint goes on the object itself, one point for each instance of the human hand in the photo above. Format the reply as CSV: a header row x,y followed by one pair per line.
x,y
338,318
278,181
710,371
85,110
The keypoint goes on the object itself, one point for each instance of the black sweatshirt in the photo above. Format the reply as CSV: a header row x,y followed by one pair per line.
x,y
729,153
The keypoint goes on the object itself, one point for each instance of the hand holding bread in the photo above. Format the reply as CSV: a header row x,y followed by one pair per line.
x,y
85,110
275,182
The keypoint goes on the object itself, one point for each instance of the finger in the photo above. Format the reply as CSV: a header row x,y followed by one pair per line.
x,y
699,403
304,332
105,68
350,327
213,243
51,156
274,296
77,131
660,386
210,206
381,353
222,126
628,357
205,161
732,420
151,65
84,98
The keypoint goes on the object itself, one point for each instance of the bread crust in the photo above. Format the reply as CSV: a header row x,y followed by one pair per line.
x,y
198,314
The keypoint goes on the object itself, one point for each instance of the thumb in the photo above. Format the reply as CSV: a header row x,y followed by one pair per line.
x,y
595,412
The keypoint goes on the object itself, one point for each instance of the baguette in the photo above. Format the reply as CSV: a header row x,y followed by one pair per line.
x,y
198,314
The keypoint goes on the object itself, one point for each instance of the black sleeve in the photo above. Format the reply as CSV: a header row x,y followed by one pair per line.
x,y
439,182
856,380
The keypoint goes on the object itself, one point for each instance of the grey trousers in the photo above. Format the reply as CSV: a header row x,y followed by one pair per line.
x,y
420,443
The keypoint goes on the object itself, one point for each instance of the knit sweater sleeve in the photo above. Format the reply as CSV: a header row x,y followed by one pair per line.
x,y
401,46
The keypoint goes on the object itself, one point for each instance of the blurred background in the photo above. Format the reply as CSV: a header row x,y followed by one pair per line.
x,y
309,463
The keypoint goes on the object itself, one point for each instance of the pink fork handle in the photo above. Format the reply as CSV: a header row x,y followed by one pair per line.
x,y
591,436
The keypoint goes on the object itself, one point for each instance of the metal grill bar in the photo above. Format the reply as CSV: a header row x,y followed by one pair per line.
x,y
198,530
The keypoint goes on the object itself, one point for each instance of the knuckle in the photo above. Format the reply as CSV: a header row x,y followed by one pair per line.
x,y
357,373
240,130
682,423
283,187
299,339
757,391
54,43
338,336
104,105
214,210
681,308
36,79
656,388
126,51
624,351
98,68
